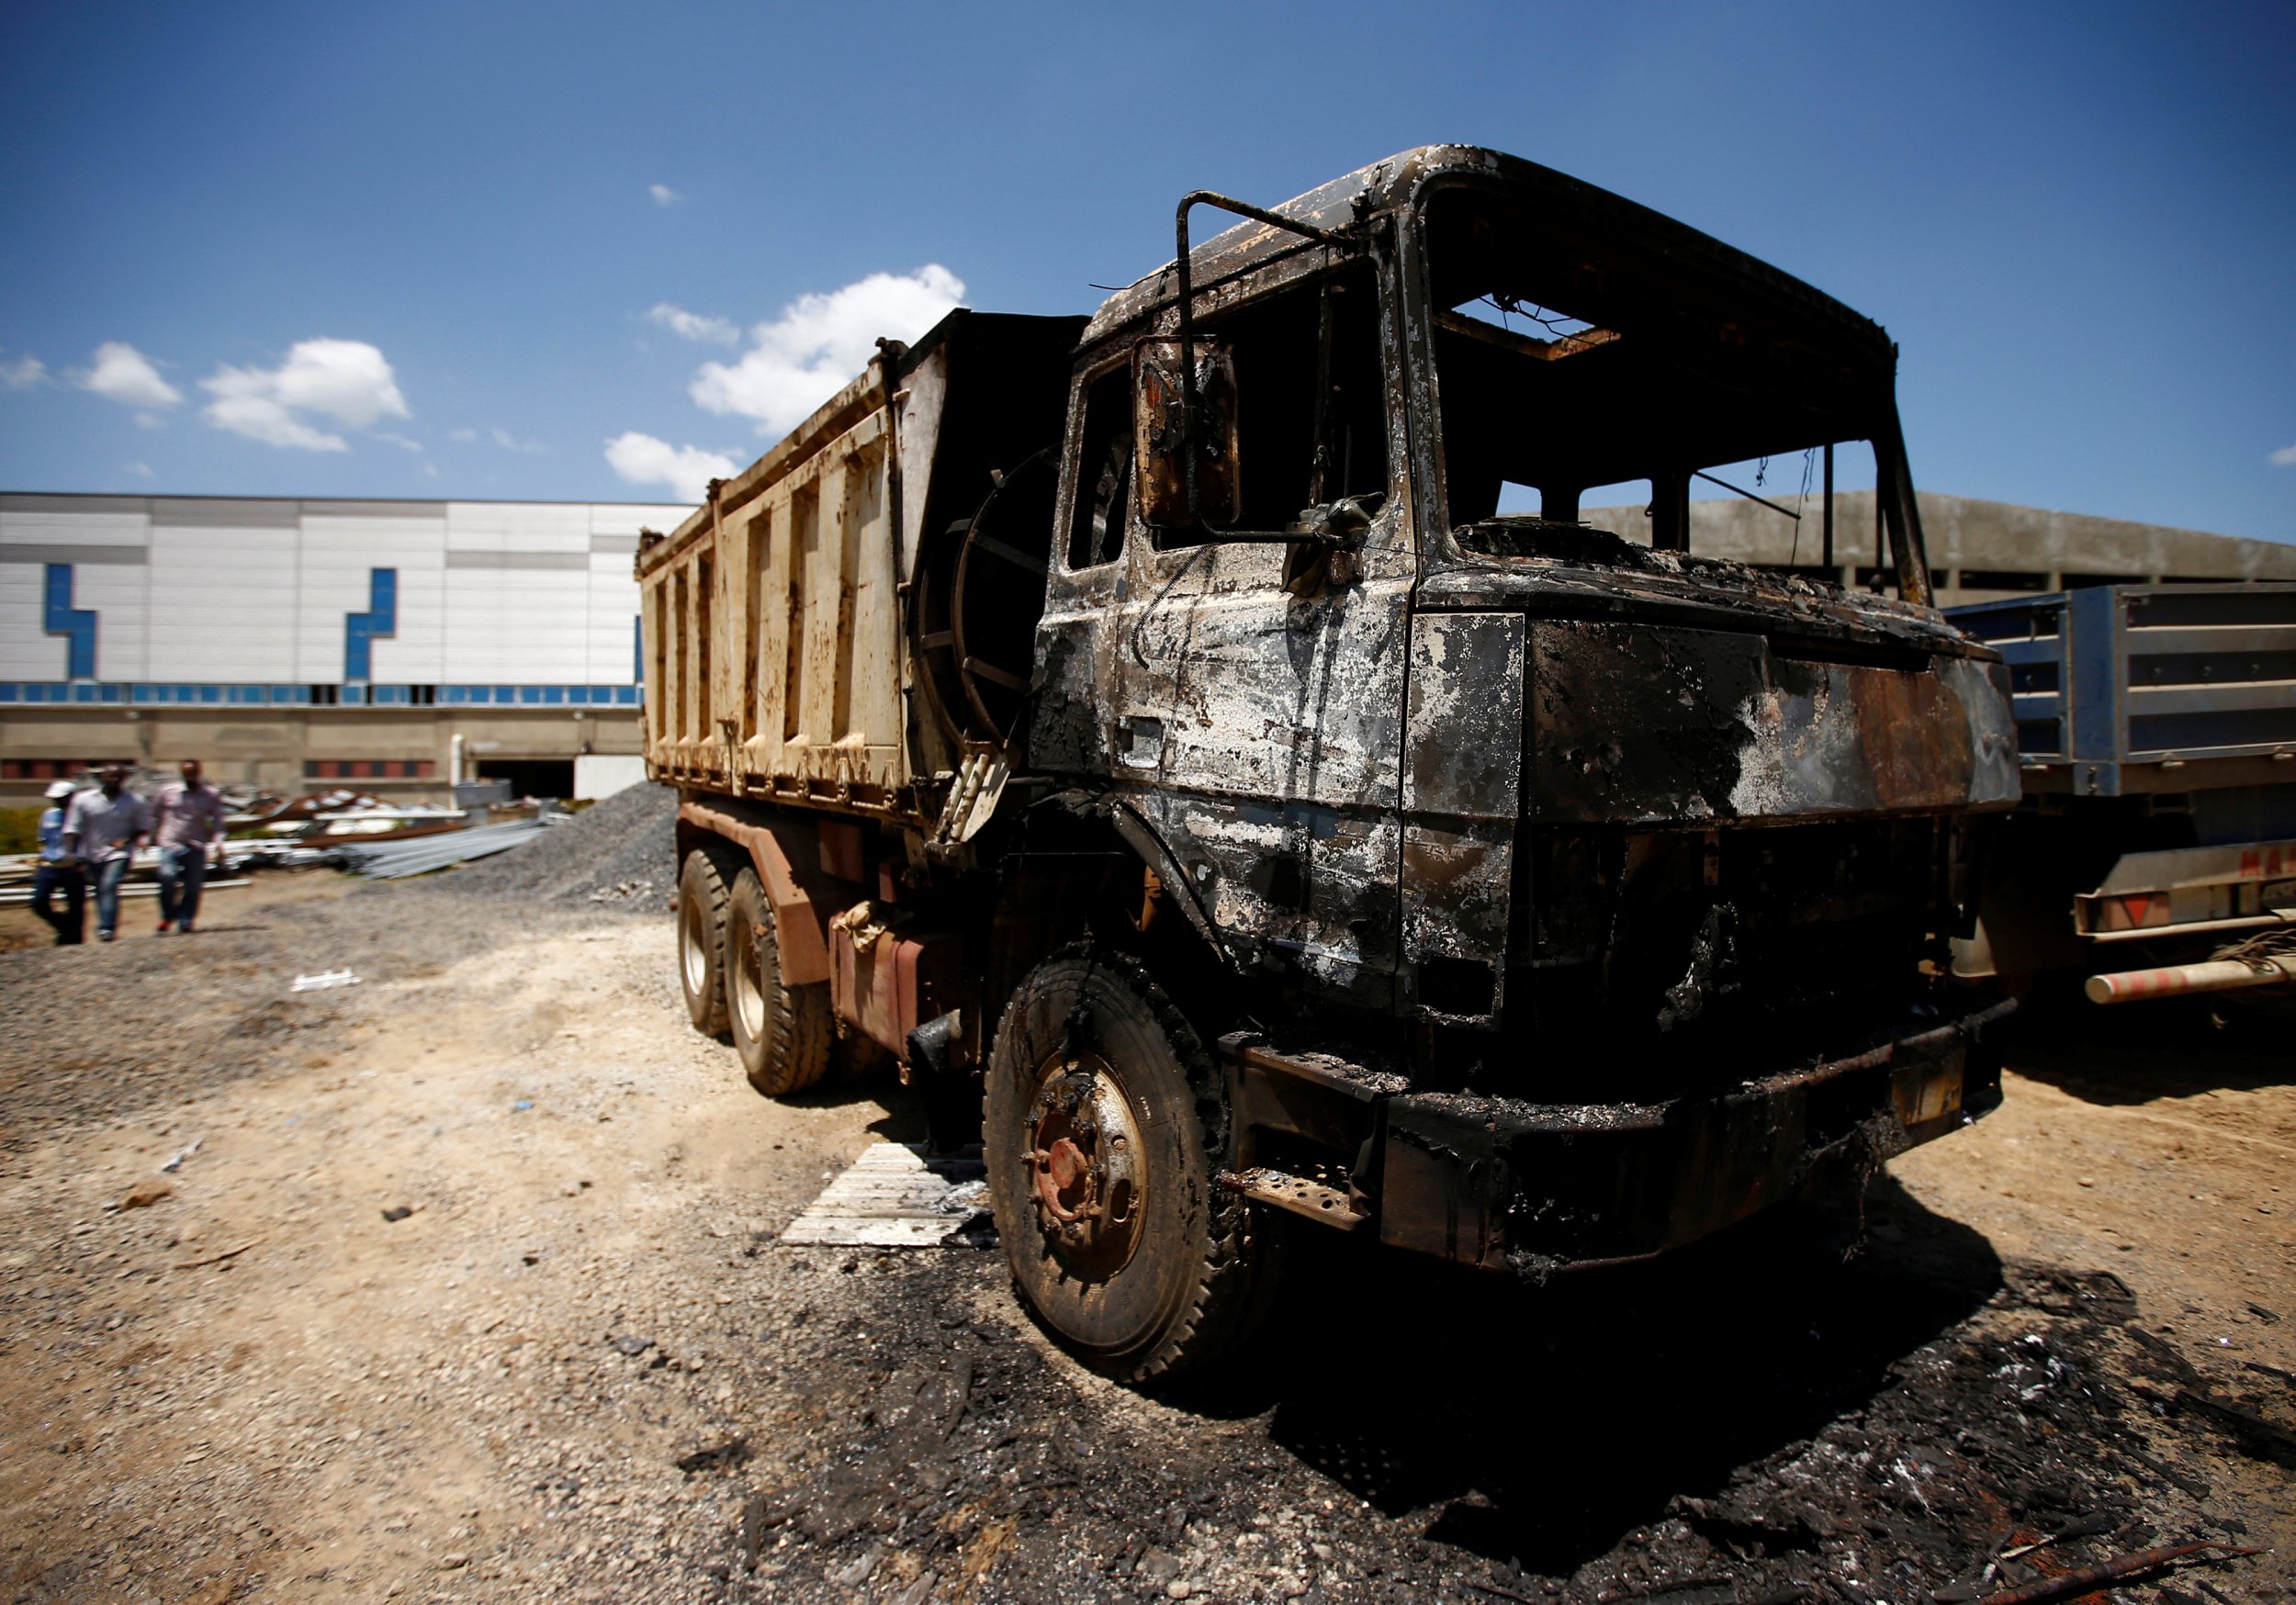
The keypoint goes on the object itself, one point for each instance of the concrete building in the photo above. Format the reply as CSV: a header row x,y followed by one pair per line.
x,y
293,644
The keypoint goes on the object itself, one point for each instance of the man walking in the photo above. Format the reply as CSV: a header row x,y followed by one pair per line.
x,y
189,816
60,872
103,828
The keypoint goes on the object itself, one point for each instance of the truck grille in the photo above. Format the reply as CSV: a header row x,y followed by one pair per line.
x,y
1652,965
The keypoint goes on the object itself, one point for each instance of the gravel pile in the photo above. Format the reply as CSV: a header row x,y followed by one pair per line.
x,y
618,853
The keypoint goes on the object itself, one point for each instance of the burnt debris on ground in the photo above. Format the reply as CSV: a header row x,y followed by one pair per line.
x,y
1757,1422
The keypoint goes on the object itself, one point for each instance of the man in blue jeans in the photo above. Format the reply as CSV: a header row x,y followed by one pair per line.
x,y
189,815
102,829
59,873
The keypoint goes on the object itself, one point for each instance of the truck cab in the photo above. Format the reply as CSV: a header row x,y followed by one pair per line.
x,y
1501,775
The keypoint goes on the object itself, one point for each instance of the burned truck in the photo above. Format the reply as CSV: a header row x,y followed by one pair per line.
x,y
1202,747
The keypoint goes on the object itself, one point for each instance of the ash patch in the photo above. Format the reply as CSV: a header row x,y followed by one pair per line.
x,y
1756,1422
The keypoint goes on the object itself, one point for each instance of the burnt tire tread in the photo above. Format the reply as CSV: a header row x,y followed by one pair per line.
x,y
801,1031
1234,1278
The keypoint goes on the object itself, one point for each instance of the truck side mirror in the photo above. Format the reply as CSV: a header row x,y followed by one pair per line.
x,y
1187,466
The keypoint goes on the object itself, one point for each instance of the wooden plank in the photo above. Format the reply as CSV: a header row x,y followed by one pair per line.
x,y
887,1199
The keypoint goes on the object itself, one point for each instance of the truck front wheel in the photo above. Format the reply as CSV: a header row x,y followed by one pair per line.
x,y
784,1033
1103,1132
702,942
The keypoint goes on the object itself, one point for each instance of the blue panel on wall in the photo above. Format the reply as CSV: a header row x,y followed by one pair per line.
x,y
61,618
360,630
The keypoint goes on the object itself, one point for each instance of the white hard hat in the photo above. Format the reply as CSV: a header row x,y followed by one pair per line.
x,y
60,790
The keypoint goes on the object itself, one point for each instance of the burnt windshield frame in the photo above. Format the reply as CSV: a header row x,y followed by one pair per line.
x,y
1302,285
1730,343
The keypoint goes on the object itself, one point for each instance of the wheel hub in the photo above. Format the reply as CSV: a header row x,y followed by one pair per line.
x,y
1084,1161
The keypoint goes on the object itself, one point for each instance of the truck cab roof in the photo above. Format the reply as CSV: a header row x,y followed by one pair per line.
x,y
1657,246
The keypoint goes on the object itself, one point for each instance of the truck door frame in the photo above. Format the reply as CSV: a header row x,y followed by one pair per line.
x,y
1259,733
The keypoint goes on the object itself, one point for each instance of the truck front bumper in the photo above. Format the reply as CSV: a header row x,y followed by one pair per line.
x,y
1534,1189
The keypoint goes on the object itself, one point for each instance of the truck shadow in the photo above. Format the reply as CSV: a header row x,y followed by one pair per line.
x,y
2137,1053
1539,1425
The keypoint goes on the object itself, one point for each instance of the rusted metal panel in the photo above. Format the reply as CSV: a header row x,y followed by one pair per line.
x,y
884,984
1641,724
805,952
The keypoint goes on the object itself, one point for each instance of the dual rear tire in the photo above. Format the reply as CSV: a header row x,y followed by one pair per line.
x,y
730,970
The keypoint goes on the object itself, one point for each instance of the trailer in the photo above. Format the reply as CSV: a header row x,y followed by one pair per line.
x,y
2155,848
1148,733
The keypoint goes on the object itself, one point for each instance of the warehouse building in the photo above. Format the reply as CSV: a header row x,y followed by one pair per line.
x,y
395,646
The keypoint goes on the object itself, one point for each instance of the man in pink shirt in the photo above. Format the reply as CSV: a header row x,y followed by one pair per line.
x,y
188,821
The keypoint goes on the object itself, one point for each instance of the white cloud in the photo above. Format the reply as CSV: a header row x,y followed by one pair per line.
x,y
499,435
663,195
2285,458
141,470
22,374
400,441
687,470
347,380
692,325
820,342
125,374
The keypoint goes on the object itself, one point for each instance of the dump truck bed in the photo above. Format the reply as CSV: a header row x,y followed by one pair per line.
x,y
770,627
781,658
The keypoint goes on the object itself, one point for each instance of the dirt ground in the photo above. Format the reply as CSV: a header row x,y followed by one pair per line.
x,y
582,1367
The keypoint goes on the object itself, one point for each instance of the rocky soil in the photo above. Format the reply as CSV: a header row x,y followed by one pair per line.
x,y
466,1287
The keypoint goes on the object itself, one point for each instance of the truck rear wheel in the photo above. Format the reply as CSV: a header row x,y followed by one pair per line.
x,y
702,942
1103,1132
784,1033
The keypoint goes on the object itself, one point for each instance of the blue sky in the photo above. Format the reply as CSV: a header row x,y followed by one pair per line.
x,y
418,250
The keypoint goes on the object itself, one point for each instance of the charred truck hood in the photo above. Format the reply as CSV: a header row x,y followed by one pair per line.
x,y
1667,689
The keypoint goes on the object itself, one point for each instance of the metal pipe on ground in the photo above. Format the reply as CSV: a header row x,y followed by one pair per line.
x,y
2216,975
421,855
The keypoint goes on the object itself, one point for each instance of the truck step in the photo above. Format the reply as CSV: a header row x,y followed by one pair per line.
x,y
1302,1196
